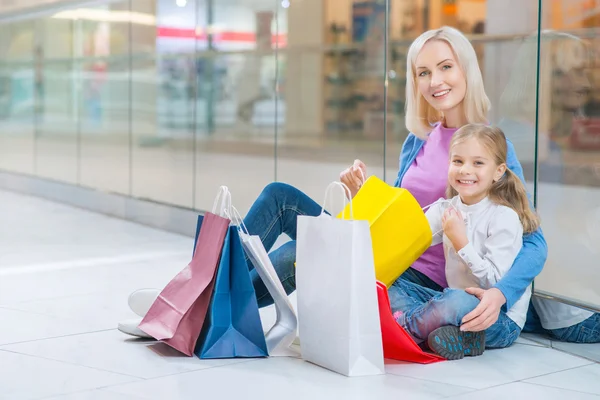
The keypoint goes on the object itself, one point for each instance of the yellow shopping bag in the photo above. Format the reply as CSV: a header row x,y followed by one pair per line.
x,y
400,232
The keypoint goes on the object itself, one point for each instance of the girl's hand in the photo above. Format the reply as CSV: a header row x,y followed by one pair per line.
x,y
354,176
454,228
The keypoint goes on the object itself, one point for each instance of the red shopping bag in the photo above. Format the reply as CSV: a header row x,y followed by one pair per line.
x,y
177,315
397,344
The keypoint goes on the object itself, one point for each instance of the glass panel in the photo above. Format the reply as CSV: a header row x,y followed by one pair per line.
x,y
20,89
236,101
333,92
57,142
162,80
569,156
405,23
102,49
510,74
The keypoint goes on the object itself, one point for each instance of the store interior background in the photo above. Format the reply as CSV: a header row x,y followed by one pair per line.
x,y
167,100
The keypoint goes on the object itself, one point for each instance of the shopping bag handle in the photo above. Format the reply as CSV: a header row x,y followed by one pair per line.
x,y
346,192
238,220
440,200
222,205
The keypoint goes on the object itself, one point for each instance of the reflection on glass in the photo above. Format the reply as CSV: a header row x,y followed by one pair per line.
x,y
238,111
569,180
103,70
334,93
20,78
56,145
162,85
569,194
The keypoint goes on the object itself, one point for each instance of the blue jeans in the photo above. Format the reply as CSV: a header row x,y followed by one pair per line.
x,y
420,311
414,276
587,331
274,213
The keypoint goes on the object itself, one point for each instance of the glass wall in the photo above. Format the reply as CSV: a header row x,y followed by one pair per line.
x,y
568,172
167,100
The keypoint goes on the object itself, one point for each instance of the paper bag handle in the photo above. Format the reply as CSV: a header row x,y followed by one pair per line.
x,y
222,205
346,192
238,220
440,200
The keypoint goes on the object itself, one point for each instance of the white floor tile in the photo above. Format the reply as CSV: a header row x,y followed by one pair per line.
x,y
20,326
531,341
583,379
116,352
518,390
279,378
83,281
25,377
98,394
98,311
540,339
494,367
83,234
590,351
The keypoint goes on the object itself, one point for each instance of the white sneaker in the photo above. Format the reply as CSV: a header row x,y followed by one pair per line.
x,y
141,300
130,327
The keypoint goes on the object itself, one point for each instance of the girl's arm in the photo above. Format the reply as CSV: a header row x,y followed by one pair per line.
x,y
500,249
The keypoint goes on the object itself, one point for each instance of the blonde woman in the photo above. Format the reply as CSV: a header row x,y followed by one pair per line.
x,y
444,91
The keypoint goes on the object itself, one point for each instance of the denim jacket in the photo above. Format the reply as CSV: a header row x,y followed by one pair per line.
x,y
529,261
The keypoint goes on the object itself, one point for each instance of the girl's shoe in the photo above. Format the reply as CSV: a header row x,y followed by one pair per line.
x,y
453,344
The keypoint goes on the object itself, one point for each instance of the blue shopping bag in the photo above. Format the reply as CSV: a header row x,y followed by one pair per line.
x,y
232,327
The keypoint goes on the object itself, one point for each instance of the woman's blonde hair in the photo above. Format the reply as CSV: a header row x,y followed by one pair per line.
x,y
509,190
420,115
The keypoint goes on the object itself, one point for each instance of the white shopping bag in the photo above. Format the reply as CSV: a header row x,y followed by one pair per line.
x,y
282,334
338,313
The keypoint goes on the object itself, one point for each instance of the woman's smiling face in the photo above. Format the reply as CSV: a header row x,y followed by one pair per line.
x,y
440,78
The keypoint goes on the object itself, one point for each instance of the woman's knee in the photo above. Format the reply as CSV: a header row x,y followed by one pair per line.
x,y
276,190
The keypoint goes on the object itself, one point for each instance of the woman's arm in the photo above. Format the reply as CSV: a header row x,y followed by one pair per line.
x,y
407,148
531,258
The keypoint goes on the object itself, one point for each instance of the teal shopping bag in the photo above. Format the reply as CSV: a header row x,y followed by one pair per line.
x,y
232,327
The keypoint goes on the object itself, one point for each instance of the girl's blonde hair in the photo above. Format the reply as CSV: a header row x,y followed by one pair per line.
x,y
509,190
420,115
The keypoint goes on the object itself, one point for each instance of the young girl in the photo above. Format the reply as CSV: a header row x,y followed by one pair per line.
x,y
481,228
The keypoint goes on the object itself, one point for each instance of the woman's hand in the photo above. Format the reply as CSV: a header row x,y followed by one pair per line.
x,y
354,176
454,228
486,313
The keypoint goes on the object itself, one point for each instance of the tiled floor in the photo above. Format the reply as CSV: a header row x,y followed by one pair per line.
x,y
64,279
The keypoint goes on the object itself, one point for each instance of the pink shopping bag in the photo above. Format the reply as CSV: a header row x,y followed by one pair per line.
x,y
177,315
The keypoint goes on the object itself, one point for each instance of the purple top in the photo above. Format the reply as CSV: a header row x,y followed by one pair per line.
x,y
426,180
